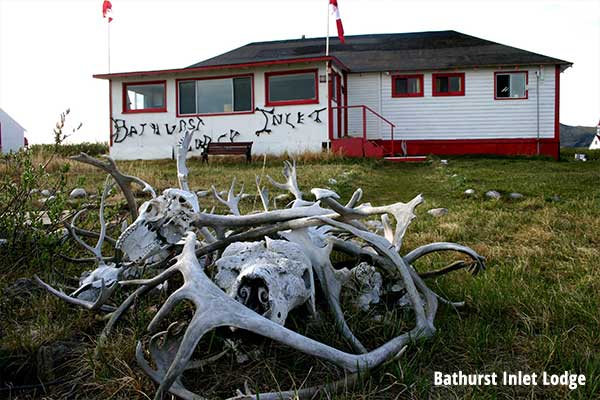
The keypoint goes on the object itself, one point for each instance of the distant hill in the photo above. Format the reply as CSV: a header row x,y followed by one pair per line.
x,y
576,136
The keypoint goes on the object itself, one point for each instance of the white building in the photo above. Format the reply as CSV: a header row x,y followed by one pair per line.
x,y
415,93
595,145
12,135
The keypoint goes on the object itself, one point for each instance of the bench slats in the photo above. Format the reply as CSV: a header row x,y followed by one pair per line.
x,y
234,148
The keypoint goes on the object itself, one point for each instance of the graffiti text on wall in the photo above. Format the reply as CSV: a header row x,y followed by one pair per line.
x,y
121,130
272,119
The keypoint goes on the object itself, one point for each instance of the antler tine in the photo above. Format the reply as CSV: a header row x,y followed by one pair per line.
x,y
263,193
291,184
107,188
232,201
182,170
105,293
91,249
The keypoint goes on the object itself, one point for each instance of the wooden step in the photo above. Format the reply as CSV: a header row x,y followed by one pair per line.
x,y
406,158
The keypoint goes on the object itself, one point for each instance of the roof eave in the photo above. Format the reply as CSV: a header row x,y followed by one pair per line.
x,y
333,59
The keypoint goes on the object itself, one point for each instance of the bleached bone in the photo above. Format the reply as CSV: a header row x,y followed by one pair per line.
x,y
214,309
182,170
419,252
105,293
162,222
233,200
291,183
271,277
263,193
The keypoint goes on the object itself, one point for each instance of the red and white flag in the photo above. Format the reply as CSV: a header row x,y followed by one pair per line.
x,y
338,21
107,10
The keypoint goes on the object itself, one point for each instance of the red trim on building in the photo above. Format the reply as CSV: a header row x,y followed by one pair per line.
x,y
269,103
557,110
512,98
225,66
146,110
178,115
110,112
516,146
416,76
434,77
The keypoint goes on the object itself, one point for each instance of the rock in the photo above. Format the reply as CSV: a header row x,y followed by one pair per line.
x,y
444,162
492,194
203,193
3,242
33,191
246,196
78,193
516,196
438,212
46,193
332,181
555,198
470,192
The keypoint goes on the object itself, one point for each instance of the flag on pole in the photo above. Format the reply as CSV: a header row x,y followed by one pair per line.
x,y
107,10
338,21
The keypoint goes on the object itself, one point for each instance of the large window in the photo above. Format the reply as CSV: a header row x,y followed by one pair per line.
x,y
144,97
407,85
449,84
510,85
291,87
212,96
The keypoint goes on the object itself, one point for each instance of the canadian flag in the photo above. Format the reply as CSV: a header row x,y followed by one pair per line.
x,y
338,21
107,10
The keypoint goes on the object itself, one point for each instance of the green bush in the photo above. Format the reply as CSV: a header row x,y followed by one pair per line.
x,y
66,150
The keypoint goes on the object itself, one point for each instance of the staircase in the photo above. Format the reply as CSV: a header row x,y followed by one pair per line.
x,y
369,142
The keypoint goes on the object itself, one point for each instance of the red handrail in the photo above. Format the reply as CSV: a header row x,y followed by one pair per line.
x,y
364,117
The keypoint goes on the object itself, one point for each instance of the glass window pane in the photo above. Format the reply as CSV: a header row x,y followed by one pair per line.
x,y
502,85
454,84
414,85
214,96
292,87
187,97
242,94
401,85
441,84
141,97
517,85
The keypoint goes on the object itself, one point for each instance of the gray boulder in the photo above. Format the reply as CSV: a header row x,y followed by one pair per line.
x,y
78,193
492,194
438,212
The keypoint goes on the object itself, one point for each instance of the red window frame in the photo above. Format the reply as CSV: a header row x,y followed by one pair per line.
x,y
179,115
269,103
496,73
434,91
146,110
410,76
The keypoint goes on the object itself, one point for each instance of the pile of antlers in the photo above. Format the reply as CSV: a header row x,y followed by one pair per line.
x,y
171,235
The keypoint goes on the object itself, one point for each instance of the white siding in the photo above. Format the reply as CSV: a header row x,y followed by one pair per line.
x,y
305,136
476,115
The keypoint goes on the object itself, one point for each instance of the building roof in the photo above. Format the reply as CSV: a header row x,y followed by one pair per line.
x,y
4,116
390,52
374,53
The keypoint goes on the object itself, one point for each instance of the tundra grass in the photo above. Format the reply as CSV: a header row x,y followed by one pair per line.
x,y
535,308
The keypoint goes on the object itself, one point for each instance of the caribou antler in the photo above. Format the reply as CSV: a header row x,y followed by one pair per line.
x,y
124,181
291,184
233,200
182,150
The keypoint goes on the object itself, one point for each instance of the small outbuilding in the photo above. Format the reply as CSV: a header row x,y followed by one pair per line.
x,y
595,145
12,134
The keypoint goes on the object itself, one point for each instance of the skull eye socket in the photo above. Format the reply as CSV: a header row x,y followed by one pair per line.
x,y
182,200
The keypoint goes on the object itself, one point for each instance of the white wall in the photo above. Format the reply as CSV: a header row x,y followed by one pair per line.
x,y
11,133
305,136
476,115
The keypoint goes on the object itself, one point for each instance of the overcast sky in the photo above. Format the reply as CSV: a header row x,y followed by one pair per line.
x,y
50,49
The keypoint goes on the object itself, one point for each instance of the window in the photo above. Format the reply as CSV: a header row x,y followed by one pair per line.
x,y
144,97
448,84
407,86
212,96
510,85
291,87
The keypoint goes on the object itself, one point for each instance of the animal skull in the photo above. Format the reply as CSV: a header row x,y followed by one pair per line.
x,y
271,277
162,222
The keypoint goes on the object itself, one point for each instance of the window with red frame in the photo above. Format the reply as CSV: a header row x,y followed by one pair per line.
x,y
218,95
407,86
291,87
144,97
510,85
448,84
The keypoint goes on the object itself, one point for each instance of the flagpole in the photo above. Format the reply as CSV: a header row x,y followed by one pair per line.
x,y
108,30
327,72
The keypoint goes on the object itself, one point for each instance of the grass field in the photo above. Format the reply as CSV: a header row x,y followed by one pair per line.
x,y
535,308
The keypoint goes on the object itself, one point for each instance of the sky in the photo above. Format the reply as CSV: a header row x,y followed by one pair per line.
x,y
49,50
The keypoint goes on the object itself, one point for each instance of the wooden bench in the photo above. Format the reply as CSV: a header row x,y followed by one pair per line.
x,y
226,149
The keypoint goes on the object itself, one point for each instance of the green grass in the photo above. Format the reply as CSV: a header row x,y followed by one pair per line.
x,y
534,309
